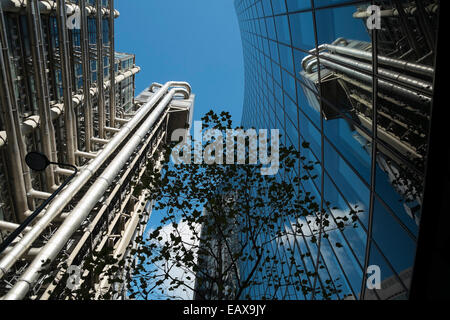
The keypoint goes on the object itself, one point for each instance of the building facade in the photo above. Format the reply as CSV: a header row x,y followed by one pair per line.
x,y
360,97
67,93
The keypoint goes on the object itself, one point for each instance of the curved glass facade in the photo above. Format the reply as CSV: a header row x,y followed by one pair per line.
x,y
310,71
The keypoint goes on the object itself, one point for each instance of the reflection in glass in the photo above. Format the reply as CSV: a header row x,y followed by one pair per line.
x,y
368,120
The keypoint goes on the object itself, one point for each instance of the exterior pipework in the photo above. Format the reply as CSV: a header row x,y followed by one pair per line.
x,y
399,64
387,86
8,226
89,230
3,139
17,119
57,206
46,127
100,84
86,76
69,115
415,82
112,69
32,122
6,105
86,204
122,246
48,7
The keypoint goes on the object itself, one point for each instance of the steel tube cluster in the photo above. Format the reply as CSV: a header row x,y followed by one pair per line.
x,y
87,203
366,55
83,177
7,107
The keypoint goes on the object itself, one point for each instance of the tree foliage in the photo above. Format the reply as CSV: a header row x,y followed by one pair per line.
x,y
225,227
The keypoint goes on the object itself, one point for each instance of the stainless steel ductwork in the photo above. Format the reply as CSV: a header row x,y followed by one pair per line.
x,y
95,192
54,100
83,177
49,7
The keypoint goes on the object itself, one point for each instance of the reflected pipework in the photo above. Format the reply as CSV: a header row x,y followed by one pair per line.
x,y
405,87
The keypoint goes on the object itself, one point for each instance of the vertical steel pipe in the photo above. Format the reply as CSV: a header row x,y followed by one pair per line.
x,y
86,65
7,109
69,115
112,60
100,66
64,198
87,203
40,75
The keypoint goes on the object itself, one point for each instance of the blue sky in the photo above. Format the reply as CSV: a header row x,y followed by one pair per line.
x,y
187,40
196,41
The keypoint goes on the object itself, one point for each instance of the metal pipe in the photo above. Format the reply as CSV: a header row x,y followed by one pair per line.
x,y
112,69
69,115
16,233
9,226
47,131
88,231
30,254
387,86
100,71
38,194
85,154
415,82
17,121
3,138
32,122
123,244
154,86
48,7
63,172
86,204
83,177
113,130
396,63
122,121
383,13
7,101
99,141
84,39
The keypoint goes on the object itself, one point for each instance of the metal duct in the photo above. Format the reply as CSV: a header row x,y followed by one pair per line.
x,y
399,64
100,73
86,67
49,7
3,139
69,114
9,226
87,203
41,82
112,70
389,87
415,82
32,122
7,102
58,204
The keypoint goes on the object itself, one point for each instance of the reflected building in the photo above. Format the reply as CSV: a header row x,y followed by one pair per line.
x,y
67,93
362,99
215,262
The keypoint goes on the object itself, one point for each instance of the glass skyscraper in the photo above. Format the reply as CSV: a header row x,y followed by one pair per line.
x,y
355,83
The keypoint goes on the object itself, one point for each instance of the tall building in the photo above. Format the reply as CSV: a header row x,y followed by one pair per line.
x,y
215,261
67,93
355,83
